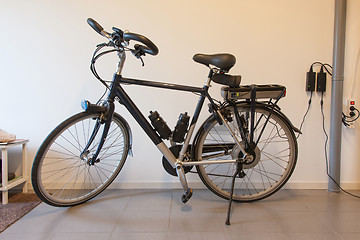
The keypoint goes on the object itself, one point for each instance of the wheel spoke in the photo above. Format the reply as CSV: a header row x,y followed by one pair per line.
x,y
272,165
61,178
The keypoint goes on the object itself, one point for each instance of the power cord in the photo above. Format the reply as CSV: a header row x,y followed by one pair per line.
x,y
324,66
326,141
347,120
307,111
311,80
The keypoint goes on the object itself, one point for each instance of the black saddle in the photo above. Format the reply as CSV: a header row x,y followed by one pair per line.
x,y
224,61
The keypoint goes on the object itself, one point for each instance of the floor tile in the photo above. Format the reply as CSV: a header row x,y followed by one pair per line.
x,y
160,214
18,236
99,221
257,236
42,219
300,222
138,236
350,236
252,217
81,236
140,221
150,200
115,200
288,205
341,222
195,221
324,201
198,236
201,201
313,236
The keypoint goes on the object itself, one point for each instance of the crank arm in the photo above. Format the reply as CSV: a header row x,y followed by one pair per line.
x,y
181,174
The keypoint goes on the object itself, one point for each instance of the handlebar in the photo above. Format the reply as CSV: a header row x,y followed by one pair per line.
x,y
149,47
95,26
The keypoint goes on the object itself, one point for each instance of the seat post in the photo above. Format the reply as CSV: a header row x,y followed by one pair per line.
x,y
211,73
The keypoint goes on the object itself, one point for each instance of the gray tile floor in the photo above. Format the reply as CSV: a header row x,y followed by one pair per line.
x,y
159,214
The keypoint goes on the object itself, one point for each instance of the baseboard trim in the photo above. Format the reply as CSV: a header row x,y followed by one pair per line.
x,y
200,185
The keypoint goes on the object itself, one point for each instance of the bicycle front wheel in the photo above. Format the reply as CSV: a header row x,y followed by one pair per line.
x,y
273,163
61,173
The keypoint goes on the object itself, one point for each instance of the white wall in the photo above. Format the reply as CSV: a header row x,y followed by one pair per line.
x,y
46,46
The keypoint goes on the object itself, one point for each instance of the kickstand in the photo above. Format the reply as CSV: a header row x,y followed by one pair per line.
x,y
238,171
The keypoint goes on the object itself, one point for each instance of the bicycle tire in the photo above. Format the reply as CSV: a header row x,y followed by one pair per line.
x,y
276,156
61,178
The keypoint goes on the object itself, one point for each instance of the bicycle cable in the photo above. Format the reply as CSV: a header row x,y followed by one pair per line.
x,y
95,57
215,100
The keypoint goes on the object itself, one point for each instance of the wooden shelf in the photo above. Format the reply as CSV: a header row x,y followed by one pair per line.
x,y
5,185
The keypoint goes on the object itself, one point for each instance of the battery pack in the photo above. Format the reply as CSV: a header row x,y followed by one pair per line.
x,y
262,91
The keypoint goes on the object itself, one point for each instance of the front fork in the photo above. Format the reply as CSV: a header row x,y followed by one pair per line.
x,y
105,118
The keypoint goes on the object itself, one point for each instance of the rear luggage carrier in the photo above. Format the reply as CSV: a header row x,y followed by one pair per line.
x,y
262,91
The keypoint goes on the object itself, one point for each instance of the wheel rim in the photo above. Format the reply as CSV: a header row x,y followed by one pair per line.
x,y
268,173
65,178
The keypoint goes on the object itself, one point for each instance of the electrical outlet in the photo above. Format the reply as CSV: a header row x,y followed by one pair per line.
x,y
351,107
349,103
349,112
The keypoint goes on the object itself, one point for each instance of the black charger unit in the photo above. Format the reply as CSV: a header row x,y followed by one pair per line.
x,y
310,81
321,81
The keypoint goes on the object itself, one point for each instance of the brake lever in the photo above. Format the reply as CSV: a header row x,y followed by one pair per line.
x,y
102,45
117,30
142,61
138,54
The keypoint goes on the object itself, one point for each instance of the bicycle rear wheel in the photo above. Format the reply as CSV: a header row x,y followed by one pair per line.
x,y
61,177
274,162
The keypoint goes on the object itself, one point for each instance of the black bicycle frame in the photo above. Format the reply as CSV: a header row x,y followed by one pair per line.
x,y
117,91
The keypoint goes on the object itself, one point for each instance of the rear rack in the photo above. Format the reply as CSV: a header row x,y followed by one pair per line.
x,y
262,91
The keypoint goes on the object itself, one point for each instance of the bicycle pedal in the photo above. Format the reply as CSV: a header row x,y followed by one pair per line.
x,y
187,195
242,174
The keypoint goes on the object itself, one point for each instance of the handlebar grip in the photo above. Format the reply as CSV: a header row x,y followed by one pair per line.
x,y
95,25
152,48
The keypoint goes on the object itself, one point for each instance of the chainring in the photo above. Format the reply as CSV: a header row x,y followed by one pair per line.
x,y
167,166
